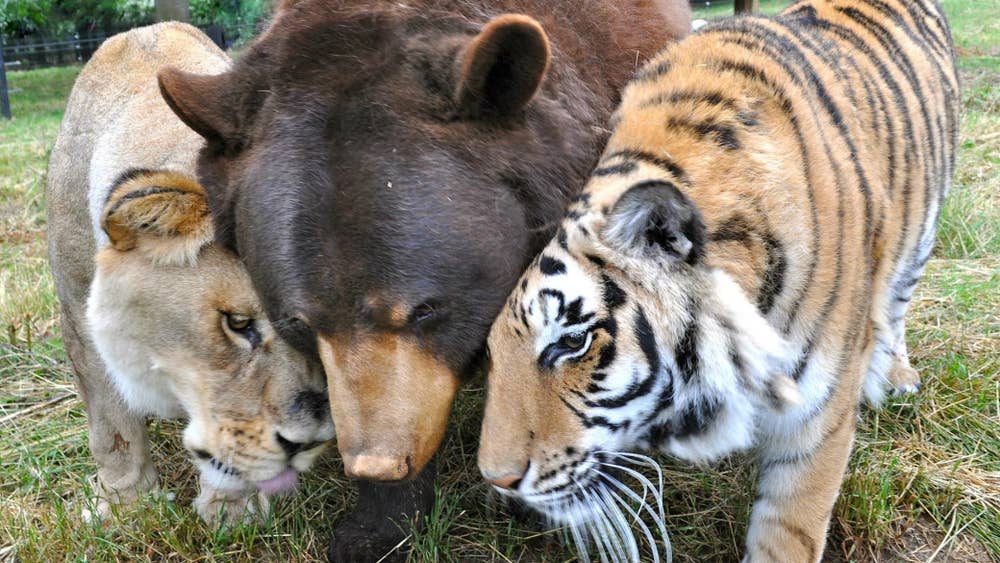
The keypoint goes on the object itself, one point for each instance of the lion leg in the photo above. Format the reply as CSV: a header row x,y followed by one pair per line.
x,y
117,437
797,491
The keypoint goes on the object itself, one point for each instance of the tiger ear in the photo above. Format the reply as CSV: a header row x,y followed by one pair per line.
x,y
654,216
502,68
163,215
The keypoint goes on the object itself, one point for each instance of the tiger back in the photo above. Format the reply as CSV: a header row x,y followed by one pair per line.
x,y
737,270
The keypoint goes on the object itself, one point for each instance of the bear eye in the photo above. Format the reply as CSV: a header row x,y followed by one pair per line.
x,y
573,340
422,313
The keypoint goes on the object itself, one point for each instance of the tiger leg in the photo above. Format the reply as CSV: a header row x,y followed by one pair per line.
x,y
902,377
796,492
890,371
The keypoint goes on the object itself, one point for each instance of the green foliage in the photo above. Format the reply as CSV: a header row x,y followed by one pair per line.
x,y
54,18
239,18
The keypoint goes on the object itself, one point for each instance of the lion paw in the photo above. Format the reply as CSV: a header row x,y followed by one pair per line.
x,y
225,508
101,508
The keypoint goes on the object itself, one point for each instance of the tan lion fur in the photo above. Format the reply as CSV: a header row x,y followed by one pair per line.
x,y
144,292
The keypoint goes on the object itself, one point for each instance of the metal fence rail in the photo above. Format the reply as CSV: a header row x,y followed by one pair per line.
x,y
46,52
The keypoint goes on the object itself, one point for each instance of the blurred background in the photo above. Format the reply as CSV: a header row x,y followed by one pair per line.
x,y
44,33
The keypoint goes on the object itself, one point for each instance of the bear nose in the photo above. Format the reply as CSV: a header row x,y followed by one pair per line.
x,y
510,481
291,448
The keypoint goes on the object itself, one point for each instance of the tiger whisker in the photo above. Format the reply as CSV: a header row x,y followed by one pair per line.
x,y
596,525
642,525
608,528
644,460
618,523
574,530
643,505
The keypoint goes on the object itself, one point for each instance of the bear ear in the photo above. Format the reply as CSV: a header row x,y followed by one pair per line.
x,y
205,103
500,71
655,216
162,214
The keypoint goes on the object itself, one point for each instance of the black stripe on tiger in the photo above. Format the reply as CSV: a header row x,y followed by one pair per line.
x,y
125,177
697,417
722,134
551,266
614,296
877,60
777,47
647,343
686,352
758,75
558,295
710,98
653,71
575,314
662,162
615,169
738,229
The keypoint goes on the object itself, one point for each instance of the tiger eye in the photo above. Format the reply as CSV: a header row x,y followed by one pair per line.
x,y
575,340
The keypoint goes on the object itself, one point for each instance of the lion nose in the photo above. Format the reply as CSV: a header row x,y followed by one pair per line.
x,y
510,481
291,448
313,403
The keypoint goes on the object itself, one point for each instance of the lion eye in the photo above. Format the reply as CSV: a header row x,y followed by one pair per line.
x,y
573,340
244,326
238,323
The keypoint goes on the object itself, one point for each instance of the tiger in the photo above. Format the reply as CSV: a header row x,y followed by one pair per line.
x,y
734,274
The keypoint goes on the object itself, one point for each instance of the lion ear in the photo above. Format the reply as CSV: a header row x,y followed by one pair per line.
x,y
162,214
502,68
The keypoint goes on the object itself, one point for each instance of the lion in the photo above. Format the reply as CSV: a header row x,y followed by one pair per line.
x,y
158,319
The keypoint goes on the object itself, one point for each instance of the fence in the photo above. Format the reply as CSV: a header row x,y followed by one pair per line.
x,y
43,52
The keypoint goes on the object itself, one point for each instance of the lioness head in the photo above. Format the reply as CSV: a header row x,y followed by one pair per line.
x,y
182,332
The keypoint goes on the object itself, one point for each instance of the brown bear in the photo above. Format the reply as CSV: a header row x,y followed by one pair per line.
x,y
386,170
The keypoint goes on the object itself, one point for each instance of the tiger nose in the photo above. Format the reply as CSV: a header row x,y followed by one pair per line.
x,y
509,481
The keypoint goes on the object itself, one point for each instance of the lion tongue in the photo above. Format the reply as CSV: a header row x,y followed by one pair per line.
x,y
282,483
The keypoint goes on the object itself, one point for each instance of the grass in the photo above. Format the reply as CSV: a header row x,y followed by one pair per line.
x,y
923,483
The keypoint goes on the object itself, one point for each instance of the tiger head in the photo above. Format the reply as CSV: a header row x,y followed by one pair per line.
x,y
621,336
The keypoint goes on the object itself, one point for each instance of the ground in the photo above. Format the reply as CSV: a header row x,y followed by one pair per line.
x,y
923,484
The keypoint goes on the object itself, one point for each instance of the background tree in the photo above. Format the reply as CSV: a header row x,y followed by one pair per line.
x,y
177,10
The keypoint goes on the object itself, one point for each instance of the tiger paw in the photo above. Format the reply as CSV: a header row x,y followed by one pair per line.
x,y
903,379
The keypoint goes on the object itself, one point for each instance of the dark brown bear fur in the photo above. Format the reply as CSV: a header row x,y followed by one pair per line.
x,y
387,169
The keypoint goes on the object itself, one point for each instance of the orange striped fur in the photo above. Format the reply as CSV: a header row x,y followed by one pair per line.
x,y
737,269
